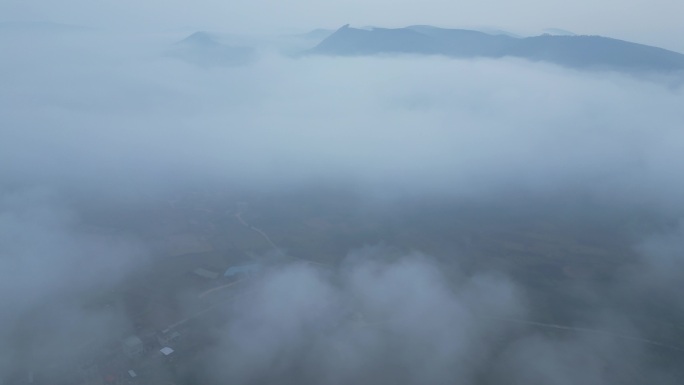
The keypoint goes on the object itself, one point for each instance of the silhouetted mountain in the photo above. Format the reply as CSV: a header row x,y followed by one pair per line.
x,y
199,39
597,51
489,31
353,41
572,51
203,49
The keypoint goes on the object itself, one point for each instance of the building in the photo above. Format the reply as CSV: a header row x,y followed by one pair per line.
x,y
168,355
169,338
133,347
166,351
132,374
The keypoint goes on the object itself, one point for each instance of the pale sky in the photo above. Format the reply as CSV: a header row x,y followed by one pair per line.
x,y
657,22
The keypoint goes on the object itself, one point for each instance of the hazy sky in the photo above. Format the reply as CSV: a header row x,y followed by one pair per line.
x,y
655,22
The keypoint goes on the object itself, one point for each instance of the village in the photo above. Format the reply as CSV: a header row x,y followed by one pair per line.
x,y
205,255
171,304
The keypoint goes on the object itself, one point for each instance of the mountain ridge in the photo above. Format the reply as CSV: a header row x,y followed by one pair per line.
x,y
203,49
576,51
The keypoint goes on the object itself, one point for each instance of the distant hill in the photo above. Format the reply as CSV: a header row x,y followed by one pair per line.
x,y
199,39
353,41
487,30
203,49
574,51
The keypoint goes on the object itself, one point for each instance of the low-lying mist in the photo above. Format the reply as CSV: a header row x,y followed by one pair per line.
x,y
91,114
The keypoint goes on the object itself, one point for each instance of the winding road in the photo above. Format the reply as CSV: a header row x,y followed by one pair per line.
x,y
273,245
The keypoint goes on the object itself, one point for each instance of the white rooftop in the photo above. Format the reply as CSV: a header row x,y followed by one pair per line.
x,y
166,350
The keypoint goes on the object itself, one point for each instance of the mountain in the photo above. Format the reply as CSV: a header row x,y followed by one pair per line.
x,y
586,52
487,30
353,41
203,49
199,39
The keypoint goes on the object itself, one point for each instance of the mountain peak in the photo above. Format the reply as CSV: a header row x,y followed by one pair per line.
x,y
201,48
199,38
